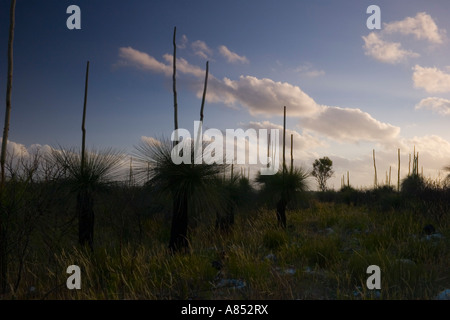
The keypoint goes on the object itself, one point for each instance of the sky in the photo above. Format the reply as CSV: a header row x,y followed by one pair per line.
x,y
348,89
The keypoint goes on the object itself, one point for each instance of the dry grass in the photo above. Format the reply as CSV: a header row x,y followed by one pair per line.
x,y
323,254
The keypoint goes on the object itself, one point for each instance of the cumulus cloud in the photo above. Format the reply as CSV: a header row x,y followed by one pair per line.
x,y
232,57
384,51
439,105
14,149
302,142
422,26
432,80
262,96
201,49
344,124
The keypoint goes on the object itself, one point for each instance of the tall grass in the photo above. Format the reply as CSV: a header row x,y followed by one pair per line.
x,y
323,254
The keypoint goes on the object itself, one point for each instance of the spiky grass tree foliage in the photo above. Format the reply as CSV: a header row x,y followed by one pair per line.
x,y
412,185
193,187
99,169
447,178
274,188
237,193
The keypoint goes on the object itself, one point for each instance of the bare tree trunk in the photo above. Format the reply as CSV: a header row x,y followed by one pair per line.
x,y
174,80
85,209
284,142
398,178
85,201
199,147
292,153
375,167
83,128
3,236
281,204
204,91
178,233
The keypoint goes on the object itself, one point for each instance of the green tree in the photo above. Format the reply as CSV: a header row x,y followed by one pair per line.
x,y
322,171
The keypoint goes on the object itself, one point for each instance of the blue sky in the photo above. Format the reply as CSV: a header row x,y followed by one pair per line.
x,y
347,89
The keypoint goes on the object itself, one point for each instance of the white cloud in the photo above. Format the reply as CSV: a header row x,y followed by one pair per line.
x,y
308,70
434,151
142,60
384,51
184,67
302,142
353,125
201,49
422,26
232,57
151,141
262,96
15,149
183,43
432,80
439,105
267,97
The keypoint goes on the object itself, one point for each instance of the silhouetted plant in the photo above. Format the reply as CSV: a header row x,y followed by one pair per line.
x,y
97,171
192,186
295,185
447,178
412,185
238,195
322,171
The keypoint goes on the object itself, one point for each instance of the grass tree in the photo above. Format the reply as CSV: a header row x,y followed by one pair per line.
x,y
191,186
237,194
293,185
189,183
85,178
87,172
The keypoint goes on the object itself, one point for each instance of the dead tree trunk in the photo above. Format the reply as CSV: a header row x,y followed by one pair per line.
x,y
178,233
85,202
85,210
281,204
174,83
3,236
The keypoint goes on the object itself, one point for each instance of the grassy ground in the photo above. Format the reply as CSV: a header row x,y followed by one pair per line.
x,y
323,254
